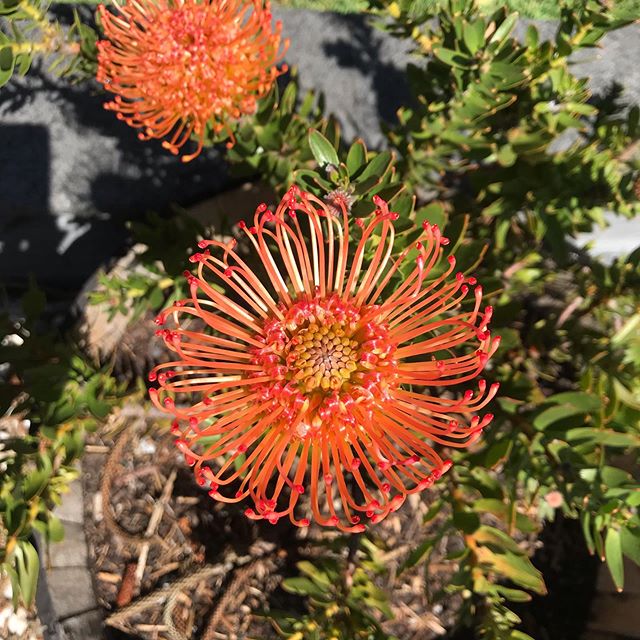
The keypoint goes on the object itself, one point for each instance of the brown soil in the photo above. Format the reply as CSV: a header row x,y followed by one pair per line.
x,y
208,572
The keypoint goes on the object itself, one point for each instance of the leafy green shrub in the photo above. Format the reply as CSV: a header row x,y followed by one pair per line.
x,y
29,32
344,601
507,148
51,396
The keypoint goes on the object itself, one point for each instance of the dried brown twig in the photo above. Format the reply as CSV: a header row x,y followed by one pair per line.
x,y
235,588
110,468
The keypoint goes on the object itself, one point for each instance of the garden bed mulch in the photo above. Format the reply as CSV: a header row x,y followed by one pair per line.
x,y
170,563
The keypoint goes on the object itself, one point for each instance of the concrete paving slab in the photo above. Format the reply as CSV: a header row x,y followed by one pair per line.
x,y
71,591
71,509
87,626
72,551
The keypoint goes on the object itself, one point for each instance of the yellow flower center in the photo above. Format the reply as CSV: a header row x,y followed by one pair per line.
x,y
323,357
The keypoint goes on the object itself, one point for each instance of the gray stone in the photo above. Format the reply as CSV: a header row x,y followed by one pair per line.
x,y
359,69
71,591
72,507
86,626
72,551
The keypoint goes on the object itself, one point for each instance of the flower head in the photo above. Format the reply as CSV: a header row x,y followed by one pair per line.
x,y
311,374
180,67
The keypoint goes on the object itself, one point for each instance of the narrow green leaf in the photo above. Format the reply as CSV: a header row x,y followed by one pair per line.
x,y
585,521
303,587
7,63
555,414
473,35
506,156
356,157
514,595
630,540
376,168
7,569
606,437
505,29
613,555
497,452
453,58
322,149
27,567
466,521
55,529
585,401
417,555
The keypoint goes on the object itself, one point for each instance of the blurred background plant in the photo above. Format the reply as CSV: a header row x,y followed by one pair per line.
x,y
50,397
505,148
29,31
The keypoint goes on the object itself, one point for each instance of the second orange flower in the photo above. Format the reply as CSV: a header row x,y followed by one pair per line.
x,y
180,68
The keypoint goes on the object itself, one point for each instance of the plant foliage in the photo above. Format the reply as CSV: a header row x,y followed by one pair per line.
x,y
505,146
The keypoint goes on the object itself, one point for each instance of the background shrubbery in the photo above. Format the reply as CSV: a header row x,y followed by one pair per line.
x,y
508,151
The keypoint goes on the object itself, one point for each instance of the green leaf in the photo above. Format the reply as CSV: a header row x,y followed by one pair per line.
x,y
497,452
35,482
434,213
505,29
569,404
625,396
517,568
506,156
356,157
7,569
418,554
613,555
501,554
316,574
55,529
504,511
15,517
27,565
322,149
289,95
606,437
99,408
585,401
33,301
585,521
514,595
473,35
434,510
453,58
376,168
498,539
466,521
515,634
532,36
303,587
630,541
7,63
615,477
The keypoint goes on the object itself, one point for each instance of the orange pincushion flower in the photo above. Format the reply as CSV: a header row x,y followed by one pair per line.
x,y
178,67
308,375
